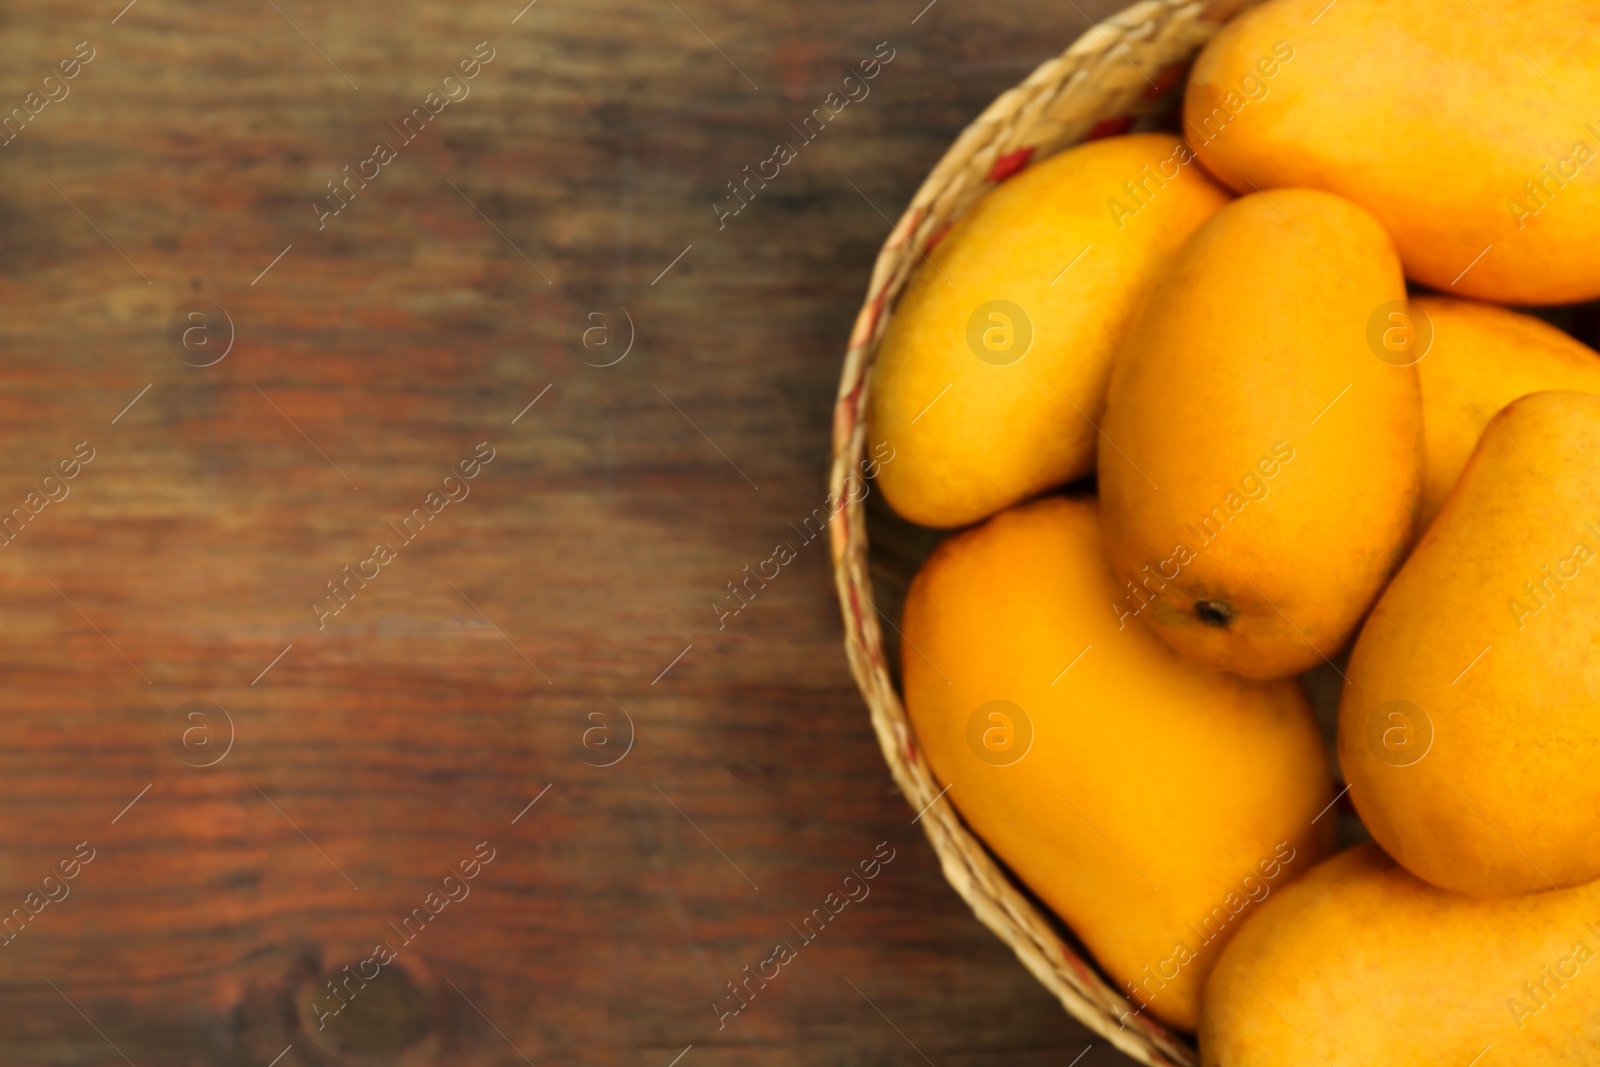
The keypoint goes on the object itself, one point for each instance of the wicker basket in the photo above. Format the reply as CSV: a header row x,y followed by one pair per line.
x,y
1118,73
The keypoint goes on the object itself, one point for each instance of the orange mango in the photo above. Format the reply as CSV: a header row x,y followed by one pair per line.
x,y
1263,454
992,373
1468,129
1149,802
1480,359
1474,698
1360,964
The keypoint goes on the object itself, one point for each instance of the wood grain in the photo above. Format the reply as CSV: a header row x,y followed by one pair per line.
x,y
457,685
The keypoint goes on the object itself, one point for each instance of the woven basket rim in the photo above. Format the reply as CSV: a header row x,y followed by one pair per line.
x,y
1096,86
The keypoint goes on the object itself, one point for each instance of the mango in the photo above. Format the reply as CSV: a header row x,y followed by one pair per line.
x,y
992,373
1262,461
1360,964
1473,710
1149,802
1467,129
1478,359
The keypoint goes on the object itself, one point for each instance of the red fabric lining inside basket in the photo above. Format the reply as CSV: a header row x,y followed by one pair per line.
x,y
1109,127
1007,165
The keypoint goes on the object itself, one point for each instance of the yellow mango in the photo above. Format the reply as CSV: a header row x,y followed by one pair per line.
x,y
1468,729
1262,462
1482,358
1469,130
993,370
1149,802
1359,964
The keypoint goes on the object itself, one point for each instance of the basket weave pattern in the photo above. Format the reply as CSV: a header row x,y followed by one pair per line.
x,y
1111,76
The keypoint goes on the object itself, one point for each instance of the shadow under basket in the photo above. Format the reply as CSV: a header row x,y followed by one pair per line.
x,y
1123,74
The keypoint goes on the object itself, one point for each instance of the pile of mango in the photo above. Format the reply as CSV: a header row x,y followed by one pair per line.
x,y
1217,411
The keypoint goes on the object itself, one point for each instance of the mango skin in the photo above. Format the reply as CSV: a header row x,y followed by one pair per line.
x,y
1144,771
1491,788
1425,115
1367,965
1266,463
1001,434
1481,359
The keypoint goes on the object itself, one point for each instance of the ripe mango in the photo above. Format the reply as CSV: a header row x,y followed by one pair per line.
x,y
1149,802
1360,964
1480,359
1473,710
992,373
1467,129
1262,462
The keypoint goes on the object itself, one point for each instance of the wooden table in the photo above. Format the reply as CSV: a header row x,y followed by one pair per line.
x,y
268,789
